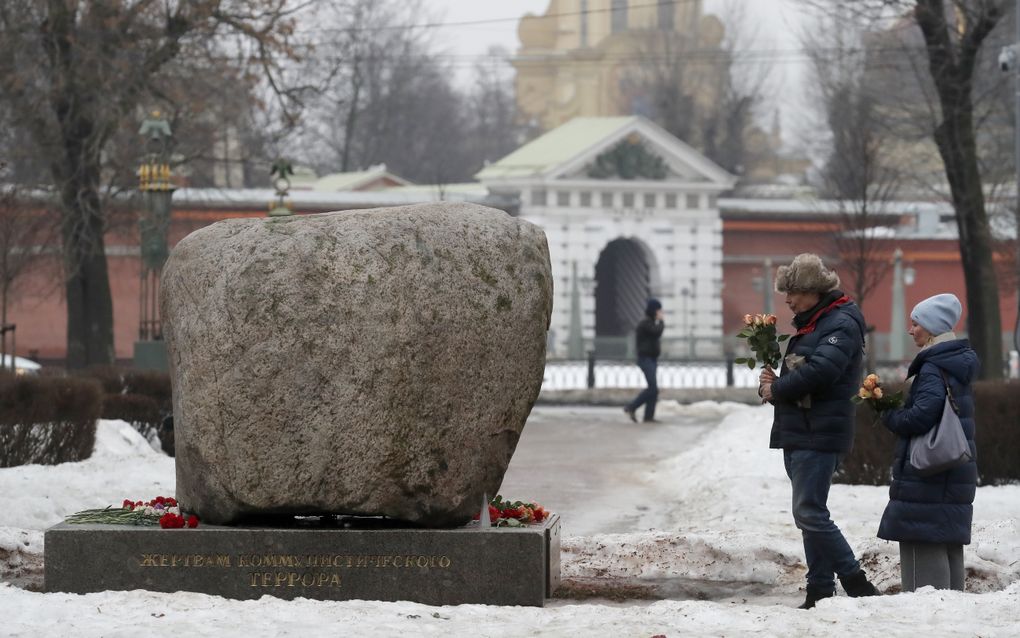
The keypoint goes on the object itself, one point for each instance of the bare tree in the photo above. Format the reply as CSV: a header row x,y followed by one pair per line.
x,y
689,83
72,73
857,173
494,129
954,35
388,97
24,236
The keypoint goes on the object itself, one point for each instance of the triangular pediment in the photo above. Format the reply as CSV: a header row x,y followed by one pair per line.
x,y
634,159
608,149
642,152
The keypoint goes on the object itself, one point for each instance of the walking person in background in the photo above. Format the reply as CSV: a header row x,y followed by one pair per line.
x,y
931,516
648,335
814,417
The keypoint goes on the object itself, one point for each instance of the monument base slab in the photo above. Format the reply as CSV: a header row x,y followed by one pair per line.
x,y
498,566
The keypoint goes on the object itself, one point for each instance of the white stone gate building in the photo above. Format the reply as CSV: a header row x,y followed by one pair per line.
x,y
632,210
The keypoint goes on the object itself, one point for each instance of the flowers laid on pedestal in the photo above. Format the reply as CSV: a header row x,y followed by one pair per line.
x,y
874,395
762,339
503,513
162,510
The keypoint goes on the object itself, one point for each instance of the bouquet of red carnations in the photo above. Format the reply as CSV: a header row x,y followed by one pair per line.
x,y
506,514
162,510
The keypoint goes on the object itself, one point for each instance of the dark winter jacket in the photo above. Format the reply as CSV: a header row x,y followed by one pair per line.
x,y
648,335
938,508
832,348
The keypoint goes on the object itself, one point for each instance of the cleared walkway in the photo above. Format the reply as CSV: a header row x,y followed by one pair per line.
x,y
589,465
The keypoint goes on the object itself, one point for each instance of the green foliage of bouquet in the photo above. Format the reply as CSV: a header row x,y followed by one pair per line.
x,y
873,394
760,333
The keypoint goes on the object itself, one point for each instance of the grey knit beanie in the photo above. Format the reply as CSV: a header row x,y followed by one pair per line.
x,y
938,314
806,273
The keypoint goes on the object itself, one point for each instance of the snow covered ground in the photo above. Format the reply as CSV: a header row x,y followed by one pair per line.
x,y
725,552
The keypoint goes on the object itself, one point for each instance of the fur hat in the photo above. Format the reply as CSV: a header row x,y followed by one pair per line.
x,y
806,273
653,306
938,314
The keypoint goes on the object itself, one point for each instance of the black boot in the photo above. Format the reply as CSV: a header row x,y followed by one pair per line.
x,y
814,594
857,585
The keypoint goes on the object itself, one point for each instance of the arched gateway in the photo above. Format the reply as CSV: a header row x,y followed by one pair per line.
x,y
623,283
633,211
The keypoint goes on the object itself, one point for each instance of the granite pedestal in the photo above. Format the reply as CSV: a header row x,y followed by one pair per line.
x,y
498,566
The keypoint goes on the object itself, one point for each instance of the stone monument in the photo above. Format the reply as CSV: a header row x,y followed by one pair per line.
x,y
377,364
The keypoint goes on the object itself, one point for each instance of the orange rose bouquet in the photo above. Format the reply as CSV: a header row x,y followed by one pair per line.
x,y
762,339
875,395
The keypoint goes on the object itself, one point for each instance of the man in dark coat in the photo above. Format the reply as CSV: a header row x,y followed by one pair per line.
x,y
648,335
814,417
931,516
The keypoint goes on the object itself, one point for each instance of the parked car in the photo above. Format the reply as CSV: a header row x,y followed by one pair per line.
x,y
21,365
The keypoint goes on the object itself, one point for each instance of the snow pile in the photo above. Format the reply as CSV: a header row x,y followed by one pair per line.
x,y
729,524
728,537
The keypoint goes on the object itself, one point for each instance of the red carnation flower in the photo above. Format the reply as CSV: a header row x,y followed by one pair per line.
x,y
128,505
192,521
171,521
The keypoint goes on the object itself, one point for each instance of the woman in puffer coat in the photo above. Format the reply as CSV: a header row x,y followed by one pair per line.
x,y
931,516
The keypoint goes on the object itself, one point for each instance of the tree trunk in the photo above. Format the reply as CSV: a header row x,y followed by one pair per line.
x,y
89,302
352,115
955,140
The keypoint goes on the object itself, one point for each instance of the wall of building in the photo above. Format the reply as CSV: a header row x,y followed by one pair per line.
x,y
724,293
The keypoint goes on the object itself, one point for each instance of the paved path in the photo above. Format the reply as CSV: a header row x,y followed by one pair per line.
x,y
588,464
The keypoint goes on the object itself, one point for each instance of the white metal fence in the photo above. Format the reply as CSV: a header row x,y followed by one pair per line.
x,y
573,375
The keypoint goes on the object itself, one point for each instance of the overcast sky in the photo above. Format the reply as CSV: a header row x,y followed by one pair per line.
x,y
779,22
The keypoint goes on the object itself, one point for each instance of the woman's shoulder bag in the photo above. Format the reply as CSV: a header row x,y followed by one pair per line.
x,y
944,446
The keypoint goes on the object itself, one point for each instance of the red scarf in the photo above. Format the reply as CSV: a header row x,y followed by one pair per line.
x,y
810,327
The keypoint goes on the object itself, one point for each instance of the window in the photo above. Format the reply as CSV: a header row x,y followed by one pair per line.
x,y
649,200
538,198
563,198
693,202
584,23
585,199
667,13
670,200
618,16
628,200
712,201
607,200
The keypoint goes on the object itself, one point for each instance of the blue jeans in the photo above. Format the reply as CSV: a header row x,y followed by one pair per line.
x,y
825,549
649,395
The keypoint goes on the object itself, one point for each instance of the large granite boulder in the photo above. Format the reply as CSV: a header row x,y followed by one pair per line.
x,y
378,362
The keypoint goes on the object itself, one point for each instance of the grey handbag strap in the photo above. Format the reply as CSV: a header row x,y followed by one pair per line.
x,y
949,392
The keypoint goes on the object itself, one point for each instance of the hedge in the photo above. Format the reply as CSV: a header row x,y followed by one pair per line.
x,y
997,414
140,397
47,420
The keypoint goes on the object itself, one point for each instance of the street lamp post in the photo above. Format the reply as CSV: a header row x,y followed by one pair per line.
x,y
688,325
281,172
575,340
897,324
157,189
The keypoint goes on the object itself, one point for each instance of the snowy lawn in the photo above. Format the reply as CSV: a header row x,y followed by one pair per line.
x,y
730,553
